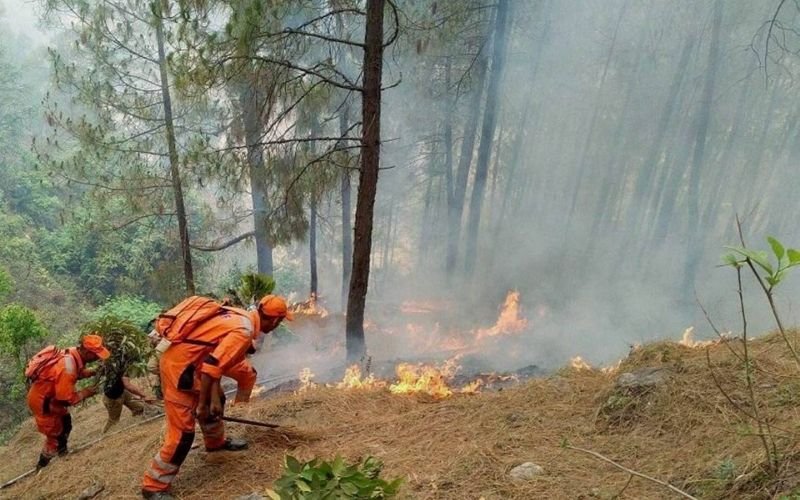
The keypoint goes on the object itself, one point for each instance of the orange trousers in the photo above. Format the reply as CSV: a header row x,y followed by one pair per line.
x,y
56,429
180,421
245,376
52,420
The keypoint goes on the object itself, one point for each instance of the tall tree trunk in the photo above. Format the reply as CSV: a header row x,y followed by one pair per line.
x,y
598,104
312,246
448,135
251,105
426,223
725,168
694,242
387,241
347,237
347,228
487,137
636,210
456,209
174,168
666,189
345,188
368,179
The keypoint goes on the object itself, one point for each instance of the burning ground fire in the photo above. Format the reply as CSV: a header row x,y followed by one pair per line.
x,y
510,320
435,380
429,338
310,307
410,379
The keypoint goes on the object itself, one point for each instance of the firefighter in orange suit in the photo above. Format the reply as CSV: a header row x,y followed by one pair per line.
x,y
52,392
190,380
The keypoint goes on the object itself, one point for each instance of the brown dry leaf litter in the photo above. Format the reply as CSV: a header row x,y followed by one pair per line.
x,y
683,431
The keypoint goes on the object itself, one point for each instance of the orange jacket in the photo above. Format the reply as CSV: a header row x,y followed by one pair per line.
x,y
212,348
55,386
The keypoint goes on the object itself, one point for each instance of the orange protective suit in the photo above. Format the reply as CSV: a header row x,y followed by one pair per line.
x,y
245,376
213,348
50,397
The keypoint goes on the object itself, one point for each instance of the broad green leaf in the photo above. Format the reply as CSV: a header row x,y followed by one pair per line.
x,y
302,486
762,259
794,256
338,466
777,248
348,488
272,495
730,260
293,465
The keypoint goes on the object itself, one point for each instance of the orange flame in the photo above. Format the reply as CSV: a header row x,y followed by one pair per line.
x,y
509,321
688,339
310,307
577,363
411,379
353,380
420,379
305,380
473,387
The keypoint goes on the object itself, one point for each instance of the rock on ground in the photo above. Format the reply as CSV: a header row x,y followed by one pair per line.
x,y
526,471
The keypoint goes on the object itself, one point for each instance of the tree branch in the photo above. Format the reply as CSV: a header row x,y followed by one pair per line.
x,y
769,35
141,217
222,246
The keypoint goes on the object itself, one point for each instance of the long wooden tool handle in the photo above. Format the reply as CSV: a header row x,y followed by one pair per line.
x,y
250,422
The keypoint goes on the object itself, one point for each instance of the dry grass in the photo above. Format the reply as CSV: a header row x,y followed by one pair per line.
x,y
684,432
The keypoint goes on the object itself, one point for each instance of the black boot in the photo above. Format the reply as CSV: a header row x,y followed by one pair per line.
x,y
43,461
157,495
231,444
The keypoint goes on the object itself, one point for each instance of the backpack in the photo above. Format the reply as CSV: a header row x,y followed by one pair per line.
x,y
43,359
177,323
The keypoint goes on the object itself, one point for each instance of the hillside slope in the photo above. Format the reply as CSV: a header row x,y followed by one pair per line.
x,y
682,430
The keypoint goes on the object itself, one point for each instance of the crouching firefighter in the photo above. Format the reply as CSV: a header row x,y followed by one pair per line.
x,y
52,374
201,340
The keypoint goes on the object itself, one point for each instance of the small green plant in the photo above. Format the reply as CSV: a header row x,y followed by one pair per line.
x,y
770,276
726,470
768,273
321,480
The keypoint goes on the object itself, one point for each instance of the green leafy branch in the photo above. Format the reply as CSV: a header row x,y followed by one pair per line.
x,y
775,272
321,480
785,259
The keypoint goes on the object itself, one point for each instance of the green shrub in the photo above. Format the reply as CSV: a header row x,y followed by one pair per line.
x,y
320,480
19,328
134,309
251,287
130,348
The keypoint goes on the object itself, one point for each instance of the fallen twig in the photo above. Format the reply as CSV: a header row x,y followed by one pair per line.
x,y
631,471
